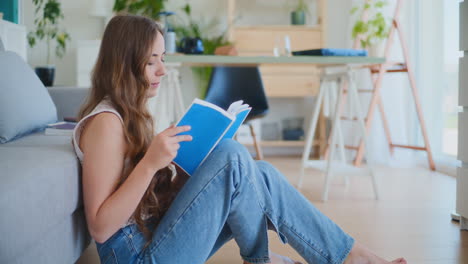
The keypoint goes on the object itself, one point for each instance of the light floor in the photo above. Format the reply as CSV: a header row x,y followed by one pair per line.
x,y
411,219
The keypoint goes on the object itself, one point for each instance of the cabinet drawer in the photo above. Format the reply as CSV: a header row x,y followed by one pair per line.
x,y
463,25
463,81
462,194
290,80
288,69
290,86
261,40
462,136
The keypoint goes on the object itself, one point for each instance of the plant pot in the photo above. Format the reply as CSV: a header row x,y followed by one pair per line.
x,y
377,50
298,17
46,74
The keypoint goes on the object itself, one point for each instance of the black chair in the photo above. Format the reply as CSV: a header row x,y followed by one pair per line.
x,y
229,84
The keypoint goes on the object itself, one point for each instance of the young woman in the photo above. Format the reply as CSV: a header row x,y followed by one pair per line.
x,y
141,209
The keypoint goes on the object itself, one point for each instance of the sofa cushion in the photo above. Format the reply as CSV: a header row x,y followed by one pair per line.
x,y
25,104
40,186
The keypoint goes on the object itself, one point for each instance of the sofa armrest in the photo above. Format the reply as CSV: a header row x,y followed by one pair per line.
x,y
68,100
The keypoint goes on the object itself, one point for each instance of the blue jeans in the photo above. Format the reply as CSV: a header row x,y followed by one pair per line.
x,y
231,196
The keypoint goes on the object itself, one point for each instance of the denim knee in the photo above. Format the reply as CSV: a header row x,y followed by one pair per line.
x,y
269,171
227,154
231,150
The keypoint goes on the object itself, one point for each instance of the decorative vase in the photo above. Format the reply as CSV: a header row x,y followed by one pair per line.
x,y
298,17
46,74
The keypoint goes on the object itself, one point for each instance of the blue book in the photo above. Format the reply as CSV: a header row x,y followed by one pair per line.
x,y
210,124
331,52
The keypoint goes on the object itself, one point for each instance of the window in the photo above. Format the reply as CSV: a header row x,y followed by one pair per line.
x,y
450,78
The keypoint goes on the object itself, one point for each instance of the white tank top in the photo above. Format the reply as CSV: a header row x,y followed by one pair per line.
x,y
103,106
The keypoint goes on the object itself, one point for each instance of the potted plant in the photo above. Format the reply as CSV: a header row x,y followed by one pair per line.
x,y
47,27
148,8
210,41
374,30
298,15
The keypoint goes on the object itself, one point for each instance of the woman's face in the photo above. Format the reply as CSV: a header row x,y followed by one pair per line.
x,y
155,68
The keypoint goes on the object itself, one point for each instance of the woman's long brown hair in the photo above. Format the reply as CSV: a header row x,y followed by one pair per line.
x,y
119,76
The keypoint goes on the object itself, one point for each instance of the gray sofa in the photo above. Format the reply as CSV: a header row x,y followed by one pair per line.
x,y
42,218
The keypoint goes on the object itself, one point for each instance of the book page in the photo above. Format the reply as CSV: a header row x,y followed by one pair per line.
x,y
237,107
240,117
213,106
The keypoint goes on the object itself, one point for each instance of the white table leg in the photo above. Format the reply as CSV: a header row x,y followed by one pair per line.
x,y
310,134
360,119
333,134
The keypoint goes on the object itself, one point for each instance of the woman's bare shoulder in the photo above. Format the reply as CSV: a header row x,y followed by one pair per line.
x,y
103,127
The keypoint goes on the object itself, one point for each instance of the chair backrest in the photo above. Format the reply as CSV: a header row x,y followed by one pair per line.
x,y
229,84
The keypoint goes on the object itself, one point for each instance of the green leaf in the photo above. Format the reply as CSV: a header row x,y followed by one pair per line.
x,y
380,4
363,44
31,39
119,5
354,10
187,9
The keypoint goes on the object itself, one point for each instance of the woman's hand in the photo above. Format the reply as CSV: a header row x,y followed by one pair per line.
x,y
164,146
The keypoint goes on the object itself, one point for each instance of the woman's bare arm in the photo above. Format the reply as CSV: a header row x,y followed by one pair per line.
x,y
107,209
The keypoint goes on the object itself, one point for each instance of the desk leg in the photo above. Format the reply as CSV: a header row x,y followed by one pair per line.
x,y
360,119
333,135
310,135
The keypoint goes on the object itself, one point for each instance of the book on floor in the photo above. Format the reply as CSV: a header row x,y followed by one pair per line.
x,y
209,125
60,129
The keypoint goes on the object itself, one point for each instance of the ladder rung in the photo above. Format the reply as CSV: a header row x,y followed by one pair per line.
x,y
395,63
351,119
360,91
391,70
365,91
351,147
409,147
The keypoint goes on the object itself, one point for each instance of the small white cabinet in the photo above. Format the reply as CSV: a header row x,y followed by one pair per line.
x,y
462,173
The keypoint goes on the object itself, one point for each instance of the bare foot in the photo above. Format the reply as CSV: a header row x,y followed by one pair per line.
x,y
278,259
361,255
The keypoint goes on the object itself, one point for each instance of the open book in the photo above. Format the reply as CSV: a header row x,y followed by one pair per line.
x,y
210,124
